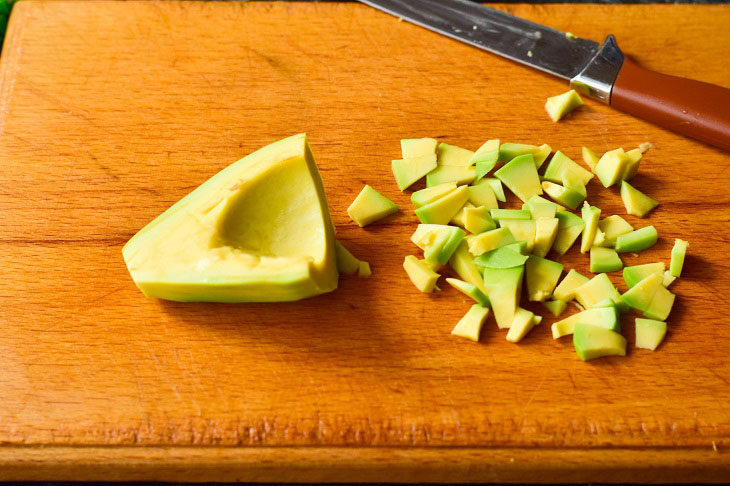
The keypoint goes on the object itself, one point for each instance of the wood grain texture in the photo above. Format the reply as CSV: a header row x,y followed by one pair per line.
x,y
112,111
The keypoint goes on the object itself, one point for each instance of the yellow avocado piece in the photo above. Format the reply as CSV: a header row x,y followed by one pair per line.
x,y
346,261
363,270
566,290
258,231
559,106
522,323
418,147
443,209
462,262
370,206
470,326
451,155
421,273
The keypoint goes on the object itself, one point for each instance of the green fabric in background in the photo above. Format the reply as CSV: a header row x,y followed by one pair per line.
x,y
5,7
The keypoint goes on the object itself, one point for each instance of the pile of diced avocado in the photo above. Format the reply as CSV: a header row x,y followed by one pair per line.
x,y
495,250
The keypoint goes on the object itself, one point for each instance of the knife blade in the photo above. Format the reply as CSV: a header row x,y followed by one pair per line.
x,y
601,71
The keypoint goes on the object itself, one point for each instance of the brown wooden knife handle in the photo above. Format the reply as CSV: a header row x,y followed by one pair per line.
x,y
693,108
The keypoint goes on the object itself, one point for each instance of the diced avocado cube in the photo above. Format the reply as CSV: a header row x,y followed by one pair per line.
x,y
661,304
634,158
443,209
417,147
678,252
370,206
542,276
451,155
462,263
510,214
478,220
650,297
546,229
484,163
636,202
541,210
363,269
561,163
522,230
570,227
556,307
421,274
566,290
570,197
559,106
611,167
636,241
437,241
649,333
448,173
489,240
599,239
613,227
573,182
508,151
519,247
520,176
590,215
504,286
541,155
539,200
595,342
605,260
470,326
668,279
536,320
500,258
497,187
346,261
487,148
522,323
483,195
589,157
470,290
408,171
605,317
596,290
430,194
459,218
636,273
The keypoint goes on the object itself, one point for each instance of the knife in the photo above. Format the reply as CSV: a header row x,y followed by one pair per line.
x,y
601,71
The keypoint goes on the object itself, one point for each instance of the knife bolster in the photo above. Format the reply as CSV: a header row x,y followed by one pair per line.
x,y
597,77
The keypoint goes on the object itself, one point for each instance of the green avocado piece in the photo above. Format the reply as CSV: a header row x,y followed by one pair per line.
x,y
668,279
522,323
589,157
595,342
661,304
418,147
599,239
504,286
539,200
546,229
591,215
574,183
649,333
636,273
678,252
611,167
541,210
632,167
370,206
650,297
510,214
636,241
346,261
484,163
469,290
605,260
636,202
520,176
430,194
559,106
596,290
437,241
542,276
420,273
613,227
478,220
443,209
522,230
408,171
363,269
451,155
570,227
502,257
570,197
489,240
459,219
556,307
519,247
605,317
462,263
497,187
566,290
470,326
487,148
483,195
508,151
541,154
561,163
448,173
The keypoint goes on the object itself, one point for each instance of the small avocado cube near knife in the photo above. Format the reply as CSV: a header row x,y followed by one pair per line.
x,y
462,263
420,273
470,290
470,326
561,163
496,186
565,291
569,197
636,241
520,176
636,202
596,290
522,230
605,317
542,276
477,220
346,261
522,324
408,171
632,167
489,240
589,157
451,155
678,252
363,269
570,227
499,214
605,260
546,229
556,307
439,242
611,167
370,206
649,333
483,195
559,106
650,297
502,257
593,342
590,215
504,286
418,147
636,273
430,194
448,173
459,219
613,227
443,209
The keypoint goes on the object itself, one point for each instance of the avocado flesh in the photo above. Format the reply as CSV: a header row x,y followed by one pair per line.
x,y
443,209
546,229
590,216
566,290
470,326
636,202
637,273
649,333
451,155
561,163
430,194
611,167
522,323
613,227
417,147
502,257
462,263
605,260
636,241
504,286
570,227
478,220
593,342
496,186
559,106
556,307
258,231
569,197
370,206
678,252
542,276
489,240
346,261
522,230
589,157
520,176
421,274
448,173
470,290
483,195
606,317
596,290
408,171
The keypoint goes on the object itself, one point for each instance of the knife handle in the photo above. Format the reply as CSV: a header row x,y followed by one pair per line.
x,y
692,108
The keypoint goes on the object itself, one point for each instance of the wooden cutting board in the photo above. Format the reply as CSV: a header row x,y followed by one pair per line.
x,y
112,111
